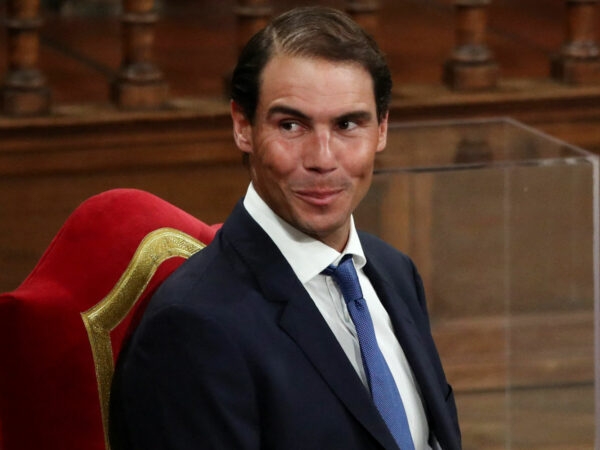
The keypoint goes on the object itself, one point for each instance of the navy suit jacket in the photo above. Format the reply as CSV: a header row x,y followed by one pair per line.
x,y
232,353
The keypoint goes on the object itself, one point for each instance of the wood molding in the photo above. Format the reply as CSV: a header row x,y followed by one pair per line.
x,y
76,138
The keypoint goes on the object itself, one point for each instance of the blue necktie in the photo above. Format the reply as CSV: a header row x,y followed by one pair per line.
x,y
383,387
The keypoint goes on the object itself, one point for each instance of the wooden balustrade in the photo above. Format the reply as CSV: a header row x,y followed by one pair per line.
x,y
471,65
140,83
579,59
24,90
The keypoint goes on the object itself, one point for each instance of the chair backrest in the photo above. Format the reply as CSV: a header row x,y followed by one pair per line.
x,y
61,330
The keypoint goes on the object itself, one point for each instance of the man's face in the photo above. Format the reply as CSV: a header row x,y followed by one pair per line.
x,y
313,142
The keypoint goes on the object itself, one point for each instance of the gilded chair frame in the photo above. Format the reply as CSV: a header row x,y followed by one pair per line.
x,y
102,318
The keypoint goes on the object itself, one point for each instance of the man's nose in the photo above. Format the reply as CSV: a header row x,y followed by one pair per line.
x,y
319,154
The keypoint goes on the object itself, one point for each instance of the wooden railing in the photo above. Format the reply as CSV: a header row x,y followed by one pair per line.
x,y
140,84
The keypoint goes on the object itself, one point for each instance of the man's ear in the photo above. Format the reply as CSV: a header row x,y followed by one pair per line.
x,y
383,129
242,129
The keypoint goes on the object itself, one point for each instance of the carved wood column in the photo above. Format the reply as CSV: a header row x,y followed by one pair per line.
x,y
24,90
364,12
251,17
139,83
579,59
471,65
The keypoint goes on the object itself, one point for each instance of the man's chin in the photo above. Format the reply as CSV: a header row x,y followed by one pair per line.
x,y
327,231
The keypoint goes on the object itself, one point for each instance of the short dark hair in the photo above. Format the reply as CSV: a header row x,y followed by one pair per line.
x,y
314,32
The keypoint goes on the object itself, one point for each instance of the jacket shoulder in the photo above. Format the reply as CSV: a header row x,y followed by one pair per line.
x,y
377,246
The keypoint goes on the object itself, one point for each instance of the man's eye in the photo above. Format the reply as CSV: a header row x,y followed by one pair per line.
x,y
347,125
290,126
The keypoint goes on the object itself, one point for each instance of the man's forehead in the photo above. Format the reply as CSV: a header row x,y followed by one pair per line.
x,y
284,60
302,83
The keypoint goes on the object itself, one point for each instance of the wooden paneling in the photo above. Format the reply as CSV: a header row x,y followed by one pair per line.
x,y
50,165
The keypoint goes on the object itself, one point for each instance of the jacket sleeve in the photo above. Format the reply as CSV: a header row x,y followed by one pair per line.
x,y
182,383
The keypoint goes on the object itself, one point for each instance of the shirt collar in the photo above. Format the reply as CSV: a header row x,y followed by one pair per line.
x,y
307,256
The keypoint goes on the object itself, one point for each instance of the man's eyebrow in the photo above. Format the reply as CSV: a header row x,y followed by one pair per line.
x,y
286,110
355,116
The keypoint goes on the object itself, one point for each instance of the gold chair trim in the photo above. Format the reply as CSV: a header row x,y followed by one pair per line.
x,y
102,318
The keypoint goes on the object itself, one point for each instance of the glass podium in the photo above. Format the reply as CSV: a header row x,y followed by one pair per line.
x,y
502,223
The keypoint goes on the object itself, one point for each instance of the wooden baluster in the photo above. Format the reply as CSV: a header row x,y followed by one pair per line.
x,y
364,12
579,59
139,83
251,17
24,90
471,65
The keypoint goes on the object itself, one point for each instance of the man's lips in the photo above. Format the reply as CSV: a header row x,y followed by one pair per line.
x,y
319,197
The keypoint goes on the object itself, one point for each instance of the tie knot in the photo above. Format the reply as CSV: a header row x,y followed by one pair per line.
x,y
346,278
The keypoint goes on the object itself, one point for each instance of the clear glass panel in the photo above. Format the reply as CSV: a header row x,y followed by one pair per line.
x,y
502,222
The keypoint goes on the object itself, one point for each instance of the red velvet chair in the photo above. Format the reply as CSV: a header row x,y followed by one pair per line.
x,y
63,327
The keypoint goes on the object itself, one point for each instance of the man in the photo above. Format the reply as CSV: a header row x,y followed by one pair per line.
x,y
253,343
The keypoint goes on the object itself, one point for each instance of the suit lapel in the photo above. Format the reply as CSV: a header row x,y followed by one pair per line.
x,y
303,322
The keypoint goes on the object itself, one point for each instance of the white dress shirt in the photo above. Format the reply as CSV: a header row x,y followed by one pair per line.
x,y
308,257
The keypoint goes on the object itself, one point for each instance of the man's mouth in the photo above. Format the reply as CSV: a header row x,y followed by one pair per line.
x,y
319,197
